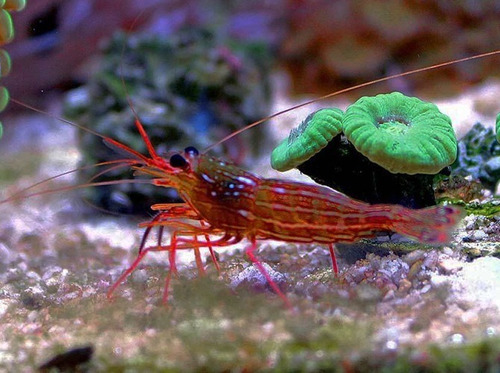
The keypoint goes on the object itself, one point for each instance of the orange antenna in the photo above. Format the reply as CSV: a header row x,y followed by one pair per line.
x,y
138,124
345,90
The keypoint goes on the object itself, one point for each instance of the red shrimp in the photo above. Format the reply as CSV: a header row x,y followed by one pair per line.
x,y
232,204
235,204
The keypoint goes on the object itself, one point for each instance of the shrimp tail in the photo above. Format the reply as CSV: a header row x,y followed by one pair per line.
x,y
432,225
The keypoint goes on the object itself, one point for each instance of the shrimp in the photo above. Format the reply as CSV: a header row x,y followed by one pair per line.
x,y
235,204
222,200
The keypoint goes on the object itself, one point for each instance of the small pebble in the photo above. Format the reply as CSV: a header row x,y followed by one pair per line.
x,y
253,278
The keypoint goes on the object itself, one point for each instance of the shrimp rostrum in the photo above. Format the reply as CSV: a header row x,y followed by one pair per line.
x,y
232,204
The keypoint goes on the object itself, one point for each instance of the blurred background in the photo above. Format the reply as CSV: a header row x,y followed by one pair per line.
x,y
322,45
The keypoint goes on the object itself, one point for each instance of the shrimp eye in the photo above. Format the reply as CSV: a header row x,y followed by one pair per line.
x,y
178,161
191,150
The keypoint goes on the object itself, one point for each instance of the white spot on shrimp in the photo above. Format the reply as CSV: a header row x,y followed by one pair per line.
x,y
243,213
246,180
213,193
207,178
279,190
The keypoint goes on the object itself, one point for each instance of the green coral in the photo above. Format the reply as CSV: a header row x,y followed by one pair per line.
x,y
384,149
6,27
6,24
5,63
6,36
402,134
312,135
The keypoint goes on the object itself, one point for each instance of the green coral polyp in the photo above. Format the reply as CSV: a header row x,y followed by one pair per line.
x,y
393,124
402,134
312,135
6,27
4,98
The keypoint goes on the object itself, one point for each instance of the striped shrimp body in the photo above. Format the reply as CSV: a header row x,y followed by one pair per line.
x,y
243,204
227,201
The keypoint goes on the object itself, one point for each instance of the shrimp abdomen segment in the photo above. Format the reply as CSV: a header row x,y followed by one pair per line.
x,y
299,212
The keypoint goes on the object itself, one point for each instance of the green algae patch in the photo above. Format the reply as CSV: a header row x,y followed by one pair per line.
x,y
486,208
481,356
324,348
475,357
481,249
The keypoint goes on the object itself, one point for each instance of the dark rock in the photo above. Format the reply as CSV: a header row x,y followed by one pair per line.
x,y
340,166
69,360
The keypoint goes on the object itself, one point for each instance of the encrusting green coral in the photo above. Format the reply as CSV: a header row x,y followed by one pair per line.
x,y
402,134
5,63
6,36
312,135
6,27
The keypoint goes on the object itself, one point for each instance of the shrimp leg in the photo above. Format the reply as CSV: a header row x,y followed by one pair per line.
x,y
159,220
178,211
335,267
183,210
226,240
250,253
176,244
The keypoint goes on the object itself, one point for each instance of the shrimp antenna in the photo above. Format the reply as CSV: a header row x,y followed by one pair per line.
x,y
79,126
22,193
75,187
138,124
345,90
107,140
